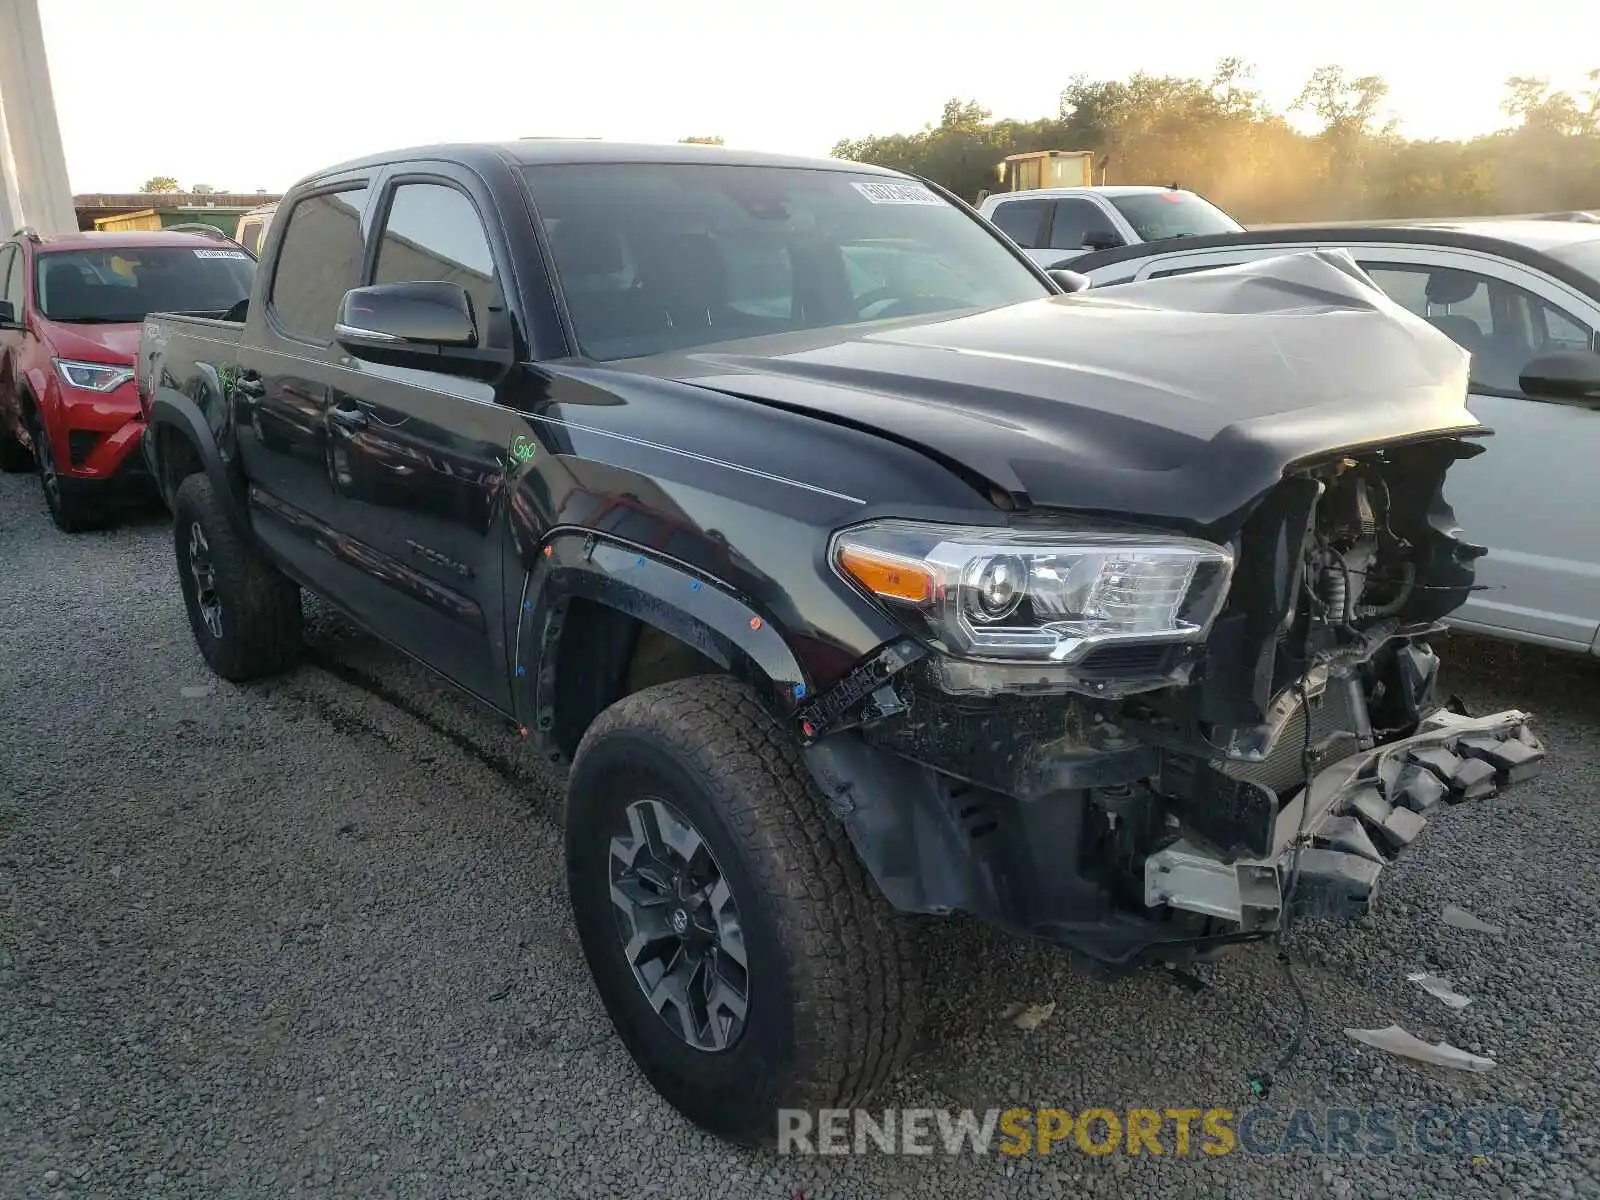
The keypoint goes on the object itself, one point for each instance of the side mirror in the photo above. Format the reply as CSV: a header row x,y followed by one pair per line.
x,y
1102,239
422,318
1070,281
1570,376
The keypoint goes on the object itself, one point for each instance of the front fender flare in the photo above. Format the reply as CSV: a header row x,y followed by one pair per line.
x,y
696,610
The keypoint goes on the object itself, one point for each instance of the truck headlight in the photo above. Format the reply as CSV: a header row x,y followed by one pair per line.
x,y
1036,596
93,377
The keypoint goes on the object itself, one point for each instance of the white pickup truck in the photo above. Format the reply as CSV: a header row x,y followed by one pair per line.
x,y
1055,225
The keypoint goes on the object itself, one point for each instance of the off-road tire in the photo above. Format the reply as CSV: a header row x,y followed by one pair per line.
x,y
833,992
260,615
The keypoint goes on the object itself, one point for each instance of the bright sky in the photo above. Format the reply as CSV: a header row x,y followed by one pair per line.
x,y
256,94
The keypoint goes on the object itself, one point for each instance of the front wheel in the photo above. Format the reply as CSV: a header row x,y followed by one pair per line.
x,y
64,498
743,955
245,613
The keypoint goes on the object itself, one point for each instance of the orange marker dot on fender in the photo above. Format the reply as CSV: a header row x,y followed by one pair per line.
x,y
755,622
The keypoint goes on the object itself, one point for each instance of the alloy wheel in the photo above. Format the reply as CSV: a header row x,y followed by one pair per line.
x,y
679,925
205,580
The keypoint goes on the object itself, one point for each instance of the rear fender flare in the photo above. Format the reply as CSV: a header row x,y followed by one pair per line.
x,y
698,611
173,412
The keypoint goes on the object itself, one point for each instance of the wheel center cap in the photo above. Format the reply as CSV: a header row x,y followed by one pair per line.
x,y
680,921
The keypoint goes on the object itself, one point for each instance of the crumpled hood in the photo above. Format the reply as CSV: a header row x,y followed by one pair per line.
x,y
117,345
1181,398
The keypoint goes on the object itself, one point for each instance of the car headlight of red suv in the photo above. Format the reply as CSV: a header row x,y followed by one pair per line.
x,y
93,377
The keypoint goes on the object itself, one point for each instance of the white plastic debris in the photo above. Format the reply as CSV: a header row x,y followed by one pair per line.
x,y
1395,1040
196,691
1439,989
1033,1015
1460,918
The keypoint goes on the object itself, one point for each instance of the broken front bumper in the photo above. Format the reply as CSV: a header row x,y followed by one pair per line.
x,y
1355,816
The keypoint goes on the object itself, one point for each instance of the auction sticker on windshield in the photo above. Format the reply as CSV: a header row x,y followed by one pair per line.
x,y
221,254
897,193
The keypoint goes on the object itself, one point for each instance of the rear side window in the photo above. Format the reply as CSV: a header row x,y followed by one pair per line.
x,y
319,260
1020,220
433,235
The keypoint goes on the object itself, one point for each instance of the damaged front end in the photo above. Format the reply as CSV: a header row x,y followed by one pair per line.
x,y
1146,744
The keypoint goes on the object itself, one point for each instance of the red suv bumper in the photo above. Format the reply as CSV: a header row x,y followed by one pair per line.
x,y
95,436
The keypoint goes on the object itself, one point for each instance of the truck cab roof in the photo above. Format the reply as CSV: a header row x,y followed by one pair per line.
x,y
539,151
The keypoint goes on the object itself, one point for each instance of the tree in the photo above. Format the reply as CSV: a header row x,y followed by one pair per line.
x,y
1217,136
1348,108
1530,100
160,183
715,140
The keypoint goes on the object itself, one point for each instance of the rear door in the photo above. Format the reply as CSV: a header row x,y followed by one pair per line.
x,y
290,372
1533,496
420,457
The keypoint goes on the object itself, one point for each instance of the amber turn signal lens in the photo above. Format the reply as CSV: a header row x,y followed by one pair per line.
x,y
887,576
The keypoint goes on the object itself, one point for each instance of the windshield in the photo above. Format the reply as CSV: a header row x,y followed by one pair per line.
x,y
657,257
1159,215
120,286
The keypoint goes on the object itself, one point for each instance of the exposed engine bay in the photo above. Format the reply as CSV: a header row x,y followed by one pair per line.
x,y
1167,796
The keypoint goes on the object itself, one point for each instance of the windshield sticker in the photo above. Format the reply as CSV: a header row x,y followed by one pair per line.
x,y
221,254
897,193
522,449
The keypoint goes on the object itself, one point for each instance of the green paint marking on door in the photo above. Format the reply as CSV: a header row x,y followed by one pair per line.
x,y
522,449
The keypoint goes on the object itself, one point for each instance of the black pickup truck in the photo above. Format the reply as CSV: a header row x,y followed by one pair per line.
x,y
852,565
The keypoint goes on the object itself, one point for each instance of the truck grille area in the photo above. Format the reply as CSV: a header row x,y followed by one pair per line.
x,y
1338,723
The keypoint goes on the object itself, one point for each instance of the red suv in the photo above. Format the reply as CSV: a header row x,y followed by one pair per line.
x,y
71,308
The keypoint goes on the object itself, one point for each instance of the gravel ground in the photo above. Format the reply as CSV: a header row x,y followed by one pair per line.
x,y
310,938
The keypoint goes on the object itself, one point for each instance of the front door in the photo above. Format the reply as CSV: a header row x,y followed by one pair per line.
x,y
1532,496
421,457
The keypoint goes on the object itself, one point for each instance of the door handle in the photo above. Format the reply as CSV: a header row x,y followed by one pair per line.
x,y
348,418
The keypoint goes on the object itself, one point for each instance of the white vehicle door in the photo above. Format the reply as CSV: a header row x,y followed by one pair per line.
x,y
1532,498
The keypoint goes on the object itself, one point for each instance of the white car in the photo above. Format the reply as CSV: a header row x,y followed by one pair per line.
x,y
1055,225
1510,292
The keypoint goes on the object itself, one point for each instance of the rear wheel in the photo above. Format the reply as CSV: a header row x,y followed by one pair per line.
x,y
245,613
743,955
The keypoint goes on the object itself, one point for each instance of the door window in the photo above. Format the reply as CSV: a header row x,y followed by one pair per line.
x,y
319,260
1072,221
1020,220
433,235
1501,325
11,278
